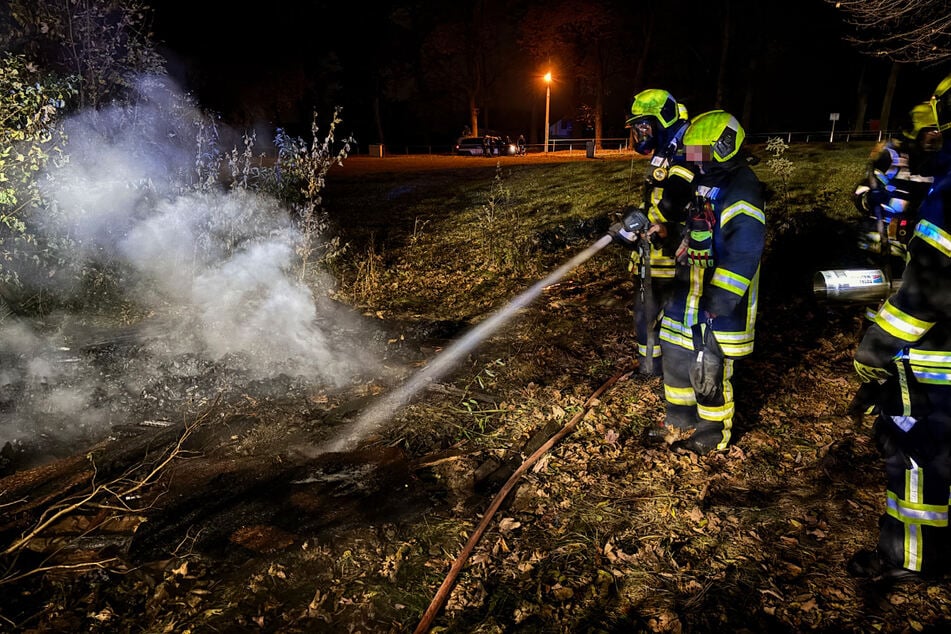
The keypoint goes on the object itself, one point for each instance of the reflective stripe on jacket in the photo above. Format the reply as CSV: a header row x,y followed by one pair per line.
x,y
730,288
918,315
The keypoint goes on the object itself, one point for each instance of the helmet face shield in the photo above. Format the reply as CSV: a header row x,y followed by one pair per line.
x,y
643,130
644,135
941,104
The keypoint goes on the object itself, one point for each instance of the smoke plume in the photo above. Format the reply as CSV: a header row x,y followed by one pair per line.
x,y
213,269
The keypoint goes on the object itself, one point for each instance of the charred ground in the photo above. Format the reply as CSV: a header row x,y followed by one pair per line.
x,y
228,519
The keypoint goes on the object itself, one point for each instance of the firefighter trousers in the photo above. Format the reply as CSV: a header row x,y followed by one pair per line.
x,y
913,531
711,418
647,320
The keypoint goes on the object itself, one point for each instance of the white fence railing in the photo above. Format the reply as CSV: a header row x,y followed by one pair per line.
x,y
622,144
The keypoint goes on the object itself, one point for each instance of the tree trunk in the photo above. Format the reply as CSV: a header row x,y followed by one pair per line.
x,y
473,115
645,51
379,120
747,115
533,123
724,55
598,113
861,102
889,94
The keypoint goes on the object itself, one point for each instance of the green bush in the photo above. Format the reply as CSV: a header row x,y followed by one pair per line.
x,y
31,106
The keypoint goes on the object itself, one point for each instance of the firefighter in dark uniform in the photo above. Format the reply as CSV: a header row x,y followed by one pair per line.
x,y
658,124
904,362
897,180
709,320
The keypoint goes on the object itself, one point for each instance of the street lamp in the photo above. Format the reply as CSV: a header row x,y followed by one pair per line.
x,y
547,105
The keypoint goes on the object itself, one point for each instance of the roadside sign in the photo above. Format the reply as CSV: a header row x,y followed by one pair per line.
x,y
833,117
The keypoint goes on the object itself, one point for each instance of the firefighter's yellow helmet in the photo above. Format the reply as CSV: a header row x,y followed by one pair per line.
x,y
657,103
921,117
717,130
941,104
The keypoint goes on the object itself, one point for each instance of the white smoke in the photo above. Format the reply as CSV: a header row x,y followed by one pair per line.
x,y
216,267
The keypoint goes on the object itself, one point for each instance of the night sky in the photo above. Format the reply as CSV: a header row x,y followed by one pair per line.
x,y
787,65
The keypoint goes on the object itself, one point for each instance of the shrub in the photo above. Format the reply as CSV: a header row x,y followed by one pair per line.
x,y
31,104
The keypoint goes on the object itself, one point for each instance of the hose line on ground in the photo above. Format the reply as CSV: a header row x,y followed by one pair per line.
x,y
443,593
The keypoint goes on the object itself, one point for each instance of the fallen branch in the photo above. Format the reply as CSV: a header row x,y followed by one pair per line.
x,y
112,488
12,502
443,593
86,565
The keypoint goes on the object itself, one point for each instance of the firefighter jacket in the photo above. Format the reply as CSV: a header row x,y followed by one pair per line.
x,y
666,162
894,188
896,175
728,290
915,322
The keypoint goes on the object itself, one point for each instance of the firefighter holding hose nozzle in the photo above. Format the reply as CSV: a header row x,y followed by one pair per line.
x,y
904,363
657,123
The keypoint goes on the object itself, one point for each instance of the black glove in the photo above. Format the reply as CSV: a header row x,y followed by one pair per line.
x,y
700,243
867,400
891,441
706,372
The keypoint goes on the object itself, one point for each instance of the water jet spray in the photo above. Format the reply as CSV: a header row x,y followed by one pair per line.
x,y
381,411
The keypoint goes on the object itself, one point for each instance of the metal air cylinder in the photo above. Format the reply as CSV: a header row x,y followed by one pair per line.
x,y
853,285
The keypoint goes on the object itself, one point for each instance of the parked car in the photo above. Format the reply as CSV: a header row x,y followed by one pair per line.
x,y
483,145
471,145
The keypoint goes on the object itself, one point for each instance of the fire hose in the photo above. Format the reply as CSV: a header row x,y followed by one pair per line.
x,y
443,593
382,410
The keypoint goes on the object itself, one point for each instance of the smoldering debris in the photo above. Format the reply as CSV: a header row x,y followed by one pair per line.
x,y
212,270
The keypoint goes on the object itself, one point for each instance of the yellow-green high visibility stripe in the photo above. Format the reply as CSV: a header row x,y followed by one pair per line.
x,y
671,333
719,413
642,350
935,236
913,547
931,366
742,208
912,513
900,324
903,387
680,395
682,172
730,281
692,305
929,358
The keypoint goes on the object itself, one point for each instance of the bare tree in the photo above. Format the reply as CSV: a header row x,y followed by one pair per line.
x,y
917,31
464,54
582,37
101,41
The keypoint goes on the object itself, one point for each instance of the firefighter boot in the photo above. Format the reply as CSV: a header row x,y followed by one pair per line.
x,y
657,434
700,443
869,564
